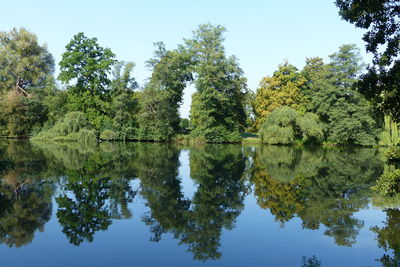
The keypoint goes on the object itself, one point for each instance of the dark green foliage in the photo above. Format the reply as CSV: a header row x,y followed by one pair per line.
x,y
209,118
171,72
156,116
20,114
380,19
85,67
184,124
346,115
393,156
160,99
217,111
125,101
56,103
285,126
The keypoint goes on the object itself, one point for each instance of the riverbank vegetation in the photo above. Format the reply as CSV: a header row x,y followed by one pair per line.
x,y
96,97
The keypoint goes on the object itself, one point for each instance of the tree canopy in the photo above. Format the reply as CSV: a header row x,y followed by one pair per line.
x,y
380,19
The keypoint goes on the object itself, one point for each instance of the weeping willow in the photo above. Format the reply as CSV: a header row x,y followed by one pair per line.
x,y
390,135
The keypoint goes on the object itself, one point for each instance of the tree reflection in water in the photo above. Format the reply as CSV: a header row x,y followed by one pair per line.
x,y
320,186
388,238
198,223
95,189
25,200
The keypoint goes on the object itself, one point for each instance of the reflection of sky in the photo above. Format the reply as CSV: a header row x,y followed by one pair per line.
x,y
189,187
256,240
277,246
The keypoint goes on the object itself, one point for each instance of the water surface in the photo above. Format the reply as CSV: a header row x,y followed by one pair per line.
x,y
142,204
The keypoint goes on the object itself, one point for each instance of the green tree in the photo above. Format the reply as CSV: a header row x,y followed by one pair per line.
x,y
20,114
380,19
217,111
347,116
85,68
25,68
24,63
124,102
156,116
285,126
282,89
162,96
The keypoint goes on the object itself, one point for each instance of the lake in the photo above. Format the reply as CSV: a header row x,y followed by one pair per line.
x,y
149,204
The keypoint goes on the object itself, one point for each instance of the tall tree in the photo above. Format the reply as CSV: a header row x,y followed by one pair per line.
x,y
161,98
25,67
24,63
347,115
85,68
217,111
381,20
125,101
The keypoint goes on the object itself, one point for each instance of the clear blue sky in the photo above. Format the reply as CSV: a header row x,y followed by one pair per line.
x,y
261,33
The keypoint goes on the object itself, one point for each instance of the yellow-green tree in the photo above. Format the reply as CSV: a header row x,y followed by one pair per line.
x,y
282,89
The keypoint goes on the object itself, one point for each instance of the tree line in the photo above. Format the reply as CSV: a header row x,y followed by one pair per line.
x,y
103,100
97,97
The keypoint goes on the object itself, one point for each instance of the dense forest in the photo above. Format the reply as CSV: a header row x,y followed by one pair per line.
x,y
96,97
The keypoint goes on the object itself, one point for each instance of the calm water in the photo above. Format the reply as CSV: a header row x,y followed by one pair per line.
x,y
209,205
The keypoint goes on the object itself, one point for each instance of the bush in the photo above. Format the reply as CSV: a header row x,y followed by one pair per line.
x,y
393,156
128,133
73,127
74,121
278,127
182,139
86,135
108,135
19,114
311,129
388,184
284,126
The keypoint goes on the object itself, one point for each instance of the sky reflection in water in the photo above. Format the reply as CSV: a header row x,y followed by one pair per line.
x,y
209,205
